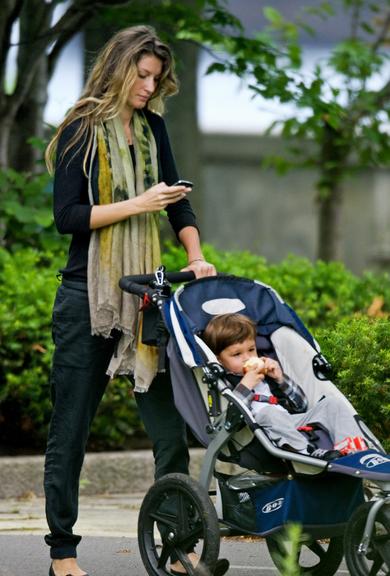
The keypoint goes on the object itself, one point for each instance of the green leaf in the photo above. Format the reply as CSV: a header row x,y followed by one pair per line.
x,y
216,67
273,15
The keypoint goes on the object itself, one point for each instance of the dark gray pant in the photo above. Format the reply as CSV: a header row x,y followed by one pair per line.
x,y
78,382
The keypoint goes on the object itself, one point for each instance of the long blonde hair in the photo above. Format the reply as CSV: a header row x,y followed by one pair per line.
x,y
109,83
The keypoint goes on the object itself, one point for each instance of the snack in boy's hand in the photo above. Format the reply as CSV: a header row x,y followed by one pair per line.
x,y
256,363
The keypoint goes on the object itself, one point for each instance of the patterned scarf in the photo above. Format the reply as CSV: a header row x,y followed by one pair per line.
x,y
128,247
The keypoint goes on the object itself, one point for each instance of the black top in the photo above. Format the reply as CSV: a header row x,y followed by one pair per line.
x,y
72,210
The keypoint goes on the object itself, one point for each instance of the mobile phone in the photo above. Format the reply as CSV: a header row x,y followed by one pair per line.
x,y
185,183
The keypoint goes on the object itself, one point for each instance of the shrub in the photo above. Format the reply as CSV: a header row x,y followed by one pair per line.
x,y
26,213
26,296
359,350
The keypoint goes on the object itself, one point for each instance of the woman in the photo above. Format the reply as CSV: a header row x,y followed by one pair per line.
x,y
113,174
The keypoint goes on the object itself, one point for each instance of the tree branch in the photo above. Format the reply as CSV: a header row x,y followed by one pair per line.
x,y
63,39
71,22
8,16
355,18
81,7
383,33
33,47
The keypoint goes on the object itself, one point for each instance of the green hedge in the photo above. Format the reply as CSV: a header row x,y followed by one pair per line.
x,y
320,293
26,296
334,303
359,350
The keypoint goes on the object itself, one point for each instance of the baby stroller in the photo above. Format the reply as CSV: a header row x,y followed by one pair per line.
x,y
259,487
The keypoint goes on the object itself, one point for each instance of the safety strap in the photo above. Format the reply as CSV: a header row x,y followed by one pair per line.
x,y
264,398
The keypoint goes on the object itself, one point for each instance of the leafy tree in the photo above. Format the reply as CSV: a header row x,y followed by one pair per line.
x,y
41,41
342,125
341,121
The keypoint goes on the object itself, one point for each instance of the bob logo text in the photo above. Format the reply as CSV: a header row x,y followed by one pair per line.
x,y
272,506
372,460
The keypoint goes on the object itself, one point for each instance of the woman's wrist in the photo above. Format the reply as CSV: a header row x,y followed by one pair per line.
x,y
134,206
200,259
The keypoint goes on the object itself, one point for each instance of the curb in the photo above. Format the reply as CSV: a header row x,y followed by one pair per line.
x,y
102,473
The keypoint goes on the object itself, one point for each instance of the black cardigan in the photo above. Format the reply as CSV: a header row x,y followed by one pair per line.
x,y
72,210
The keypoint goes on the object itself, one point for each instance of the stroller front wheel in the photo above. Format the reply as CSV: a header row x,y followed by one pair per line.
x,y
176,518
376,560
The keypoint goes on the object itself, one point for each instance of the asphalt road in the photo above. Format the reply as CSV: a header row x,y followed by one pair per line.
x,y
25,555
109,547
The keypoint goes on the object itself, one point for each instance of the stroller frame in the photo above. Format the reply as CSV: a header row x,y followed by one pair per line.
x,y
367,528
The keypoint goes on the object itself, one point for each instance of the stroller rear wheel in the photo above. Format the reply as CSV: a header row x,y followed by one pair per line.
x,y
377,558
177,517
314,557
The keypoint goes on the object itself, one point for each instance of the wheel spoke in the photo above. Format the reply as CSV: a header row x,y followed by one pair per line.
x,y
381,538
166,551
377,565
184,559
317,549
164,519
182,512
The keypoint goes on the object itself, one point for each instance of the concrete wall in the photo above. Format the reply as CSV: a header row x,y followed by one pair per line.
x,y
243,206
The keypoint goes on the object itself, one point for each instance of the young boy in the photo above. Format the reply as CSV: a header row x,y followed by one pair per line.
x,y
278,404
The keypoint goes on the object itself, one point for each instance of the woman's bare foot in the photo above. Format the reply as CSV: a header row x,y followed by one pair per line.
x,y
221,567
178,566
66,567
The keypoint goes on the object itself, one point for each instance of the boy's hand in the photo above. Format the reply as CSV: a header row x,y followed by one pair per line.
x,y
254,373
273,369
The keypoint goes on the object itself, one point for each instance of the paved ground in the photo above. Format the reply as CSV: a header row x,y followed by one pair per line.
x,y
112,487
109,546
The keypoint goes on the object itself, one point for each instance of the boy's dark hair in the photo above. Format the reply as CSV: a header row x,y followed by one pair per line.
x,y
227,329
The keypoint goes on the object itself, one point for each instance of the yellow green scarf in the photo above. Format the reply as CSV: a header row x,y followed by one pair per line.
x,y
128,247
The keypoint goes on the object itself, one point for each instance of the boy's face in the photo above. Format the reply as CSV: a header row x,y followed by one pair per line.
x,y
234,356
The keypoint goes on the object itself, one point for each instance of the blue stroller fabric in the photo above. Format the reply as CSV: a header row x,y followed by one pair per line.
x,y
187,313
209,296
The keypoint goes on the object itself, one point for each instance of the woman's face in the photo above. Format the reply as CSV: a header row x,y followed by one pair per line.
x,y
149,73
234,356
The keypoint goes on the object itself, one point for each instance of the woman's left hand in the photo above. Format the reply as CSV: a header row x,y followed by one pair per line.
x,y
200,268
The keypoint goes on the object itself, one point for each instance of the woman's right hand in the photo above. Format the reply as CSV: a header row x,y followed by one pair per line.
x,y
154,199
159,196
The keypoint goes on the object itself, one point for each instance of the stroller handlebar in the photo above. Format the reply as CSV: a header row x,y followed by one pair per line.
x,y
139,283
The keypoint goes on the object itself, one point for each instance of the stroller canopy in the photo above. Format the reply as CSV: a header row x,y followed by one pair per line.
x,y
195,303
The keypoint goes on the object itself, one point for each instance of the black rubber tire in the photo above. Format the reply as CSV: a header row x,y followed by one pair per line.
x,y
315,557
185,517
377,558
